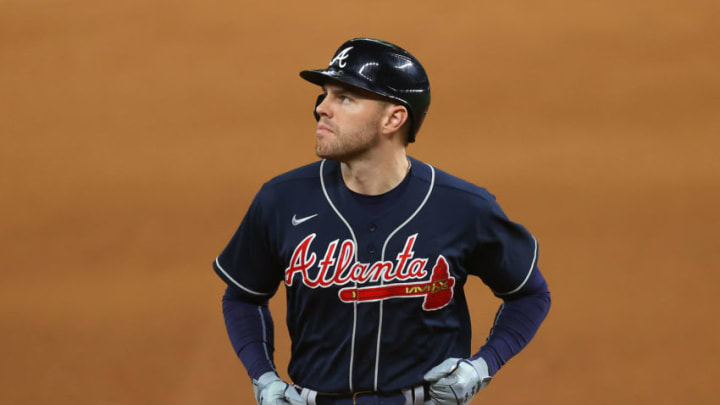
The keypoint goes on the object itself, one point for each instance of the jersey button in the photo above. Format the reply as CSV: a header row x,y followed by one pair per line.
x,y
371,250
372,227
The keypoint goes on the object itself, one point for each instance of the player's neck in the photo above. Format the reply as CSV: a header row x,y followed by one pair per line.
x,y
377,174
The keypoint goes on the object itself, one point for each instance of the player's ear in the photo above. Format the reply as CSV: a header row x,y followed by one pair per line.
x,y
395,117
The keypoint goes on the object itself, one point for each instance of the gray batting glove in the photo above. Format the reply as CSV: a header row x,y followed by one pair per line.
x,y
269,389
456,381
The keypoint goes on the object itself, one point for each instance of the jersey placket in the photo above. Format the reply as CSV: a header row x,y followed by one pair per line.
x,y
371,252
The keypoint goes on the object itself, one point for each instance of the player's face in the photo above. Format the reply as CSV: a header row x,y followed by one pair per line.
x,y
349,124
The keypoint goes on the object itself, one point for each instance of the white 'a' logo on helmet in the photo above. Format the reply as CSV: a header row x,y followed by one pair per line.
x,y
341,56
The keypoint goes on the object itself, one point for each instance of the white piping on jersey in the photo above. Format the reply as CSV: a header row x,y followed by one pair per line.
x,y
527,277
352,342
382,258
265,345
217,262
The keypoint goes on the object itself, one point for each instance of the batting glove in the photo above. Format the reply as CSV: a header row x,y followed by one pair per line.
x,y
456,381
269,389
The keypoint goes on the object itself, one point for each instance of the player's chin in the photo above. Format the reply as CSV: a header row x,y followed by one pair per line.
x,y
325,152
322,140
322,153
323,147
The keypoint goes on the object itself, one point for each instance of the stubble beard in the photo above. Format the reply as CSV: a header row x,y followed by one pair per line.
x,y
346,146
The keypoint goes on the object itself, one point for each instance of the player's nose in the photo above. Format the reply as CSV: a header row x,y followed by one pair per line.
x,y
321,107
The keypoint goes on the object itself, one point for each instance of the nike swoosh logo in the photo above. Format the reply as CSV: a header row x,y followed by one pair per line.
x,y
297,222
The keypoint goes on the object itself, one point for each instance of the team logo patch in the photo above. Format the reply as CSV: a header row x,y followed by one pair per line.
x,y
341,269
340,57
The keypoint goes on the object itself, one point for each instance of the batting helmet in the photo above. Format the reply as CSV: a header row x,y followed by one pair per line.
x,y
382,68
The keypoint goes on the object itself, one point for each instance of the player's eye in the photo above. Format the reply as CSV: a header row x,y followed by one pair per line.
x,y
345,99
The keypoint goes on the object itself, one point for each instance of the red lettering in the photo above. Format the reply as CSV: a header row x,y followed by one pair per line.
x,y
416,268
402,258
357,272
341,269
345,258
300,262
379,269
325,263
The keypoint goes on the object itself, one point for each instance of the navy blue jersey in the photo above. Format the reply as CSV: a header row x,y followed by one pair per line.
x,y
374,284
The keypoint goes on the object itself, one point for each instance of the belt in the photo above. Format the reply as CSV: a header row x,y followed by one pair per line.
x,y
411,396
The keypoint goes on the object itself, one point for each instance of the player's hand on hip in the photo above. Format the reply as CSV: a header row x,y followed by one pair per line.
x,y
269,389
456,381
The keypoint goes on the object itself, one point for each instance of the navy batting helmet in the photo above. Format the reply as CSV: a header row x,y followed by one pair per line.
x,y
382,68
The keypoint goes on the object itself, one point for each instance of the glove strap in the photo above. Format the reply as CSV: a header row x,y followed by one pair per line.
x,y
481,368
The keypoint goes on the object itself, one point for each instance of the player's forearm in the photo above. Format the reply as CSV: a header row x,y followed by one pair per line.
x,y
250,329
517,321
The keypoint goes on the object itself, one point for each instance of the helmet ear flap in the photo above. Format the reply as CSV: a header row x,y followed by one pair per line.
x,y
319,101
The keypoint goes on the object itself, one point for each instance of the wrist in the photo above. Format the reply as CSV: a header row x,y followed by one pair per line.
x,y
267,378
481,368
491,358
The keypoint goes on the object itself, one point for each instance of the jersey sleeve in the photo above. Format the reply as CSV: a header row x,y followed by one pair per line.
x,y
250,328
505,253
248,263
516,323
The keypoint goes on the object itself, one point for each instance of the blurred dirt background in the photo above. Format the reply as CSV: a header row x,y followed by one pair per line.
x,y
133,135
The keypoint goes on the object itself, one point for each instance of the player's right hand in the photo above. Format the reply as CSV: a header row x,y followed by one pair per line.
x,y
456,381
269,389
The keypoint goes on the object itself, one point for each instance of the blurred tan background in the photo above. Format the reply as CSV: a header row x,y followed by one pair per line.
x,y
133,135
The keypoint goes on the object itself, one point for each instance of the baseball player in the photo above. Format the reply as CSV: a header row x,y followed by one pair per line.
x,y
374,248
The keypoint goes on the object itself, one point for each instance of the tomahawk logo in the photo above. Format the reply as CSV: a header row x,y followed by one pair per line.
x,y
341,56
340,269
437,292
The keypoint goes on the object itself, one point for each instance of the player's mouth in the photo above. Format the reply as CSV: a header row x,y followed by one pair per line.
x,y
324,129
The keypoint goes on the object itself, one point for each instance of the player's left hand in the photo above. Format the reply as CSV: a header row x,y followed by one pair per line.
x,y
456,381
